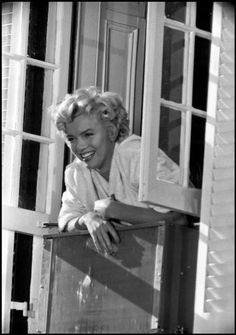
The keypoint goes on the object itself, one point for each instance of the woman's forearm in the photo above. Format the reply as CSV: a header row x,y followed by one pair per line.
x,y
133,214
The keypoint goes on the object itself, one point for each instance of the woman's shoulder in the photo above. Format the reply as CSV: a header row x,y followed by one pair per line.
x,y
131,144
128,151
75,167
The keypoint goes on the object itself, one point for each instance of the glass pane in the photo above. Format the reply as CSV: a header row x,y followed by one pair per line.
x,y
172,69
201,73
33,100
31,187
197,150
176,11
38,29
169,137
204,15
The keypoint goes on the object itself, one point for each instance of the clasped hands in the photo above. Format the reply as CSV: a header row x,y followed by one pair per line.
x,y
99,227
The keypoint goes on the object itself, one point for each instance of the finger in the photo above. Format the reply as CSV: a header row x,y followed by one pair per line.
x,y
113,233
81,220
106,241
96,243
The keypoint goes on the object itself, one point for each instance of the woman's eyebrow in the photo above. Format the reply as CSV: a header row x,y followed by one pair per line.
x,y
82,132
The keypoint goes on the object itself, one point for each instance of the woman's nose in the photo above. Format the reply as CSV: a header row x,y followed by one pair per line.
x,y
80,145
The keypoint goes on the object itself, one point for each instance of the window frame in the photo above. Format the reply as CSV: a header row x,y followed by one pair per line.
x,y
178,197
18,219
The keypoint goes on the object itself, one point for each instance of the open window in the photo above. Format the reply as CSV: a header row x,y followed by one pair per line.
x,y
35,58
175,101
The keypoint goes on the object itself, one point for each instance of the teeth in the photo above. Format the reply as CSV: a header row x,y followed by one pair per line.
x,y
86,155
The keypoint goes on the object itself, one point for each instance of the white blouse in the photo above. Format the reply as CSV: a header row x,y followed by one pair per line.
x,y
84,186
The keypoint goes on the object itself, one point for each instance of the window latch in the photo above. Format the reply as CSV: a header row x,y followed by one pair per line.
x,y
23,306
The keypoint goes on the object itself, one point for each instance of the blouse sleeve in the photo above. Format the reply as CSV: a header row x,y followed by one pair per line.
x,y
167,169
72,208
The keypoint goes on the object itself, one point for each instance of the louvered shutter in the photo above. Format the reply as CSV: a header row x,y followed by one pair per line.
x,y
217,231
220,265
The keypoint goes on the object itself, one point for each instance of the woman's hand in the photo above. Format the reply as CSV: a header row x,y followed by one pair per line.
x,y
99,230
102,207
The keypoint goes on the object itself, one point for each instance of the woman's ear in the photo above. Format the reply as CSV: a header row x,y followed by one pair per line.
x,y
112,132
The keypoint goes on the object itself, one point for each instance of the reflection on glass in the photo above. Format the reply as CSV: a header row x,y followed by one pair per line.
x,y
175,11
172,69
201,73
197,150
33,100
30,186
169,143
38,29
204,15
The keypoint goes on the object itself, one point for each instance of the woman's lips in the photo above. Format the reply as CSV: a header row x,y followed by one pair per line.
x,y
87,155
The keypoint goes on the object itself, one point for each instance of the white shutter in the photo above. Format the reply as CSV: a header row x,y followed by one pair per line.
x,y
220,286
217,227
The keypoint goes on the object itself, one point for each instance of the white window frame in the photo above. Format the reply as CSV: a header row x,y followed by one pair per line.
x,y
16,219
178,197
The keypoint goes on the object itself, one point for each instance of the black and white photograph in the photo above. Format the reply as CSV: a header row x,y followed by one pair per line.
x,y
118,167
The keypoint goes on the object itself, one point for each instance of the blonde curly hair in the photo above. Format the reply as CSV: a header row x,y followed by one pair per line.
x,y
108,106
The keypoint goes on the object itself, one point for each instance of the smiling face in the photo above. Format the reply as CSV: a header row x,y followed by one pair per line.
x,y
91,141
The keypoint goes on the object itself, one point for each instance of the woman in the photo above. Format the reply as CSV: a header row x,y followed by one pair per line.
x,y
102,182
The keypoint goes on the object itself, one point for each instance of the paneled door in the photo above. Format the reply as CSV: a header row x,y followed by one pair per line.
x,y
108,52
121,54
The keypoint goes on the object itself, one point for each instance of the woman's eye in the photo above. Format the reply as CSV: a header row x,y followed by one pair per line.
x,y
88,134
70,139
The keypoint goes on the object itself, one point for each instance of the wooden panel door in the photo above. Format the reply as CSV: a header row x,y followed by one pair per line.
x,y
120,62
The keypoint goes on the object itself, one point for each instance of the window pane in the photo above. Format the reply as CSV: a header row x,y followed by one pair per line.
x,y
197,150
169,136
38,29
33,100
172,70
204,15
28,174
31,184
201,73
176,11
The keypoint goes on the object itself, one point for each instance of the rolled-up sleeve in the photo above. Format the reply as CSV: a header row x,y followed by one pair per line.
x,y
72,208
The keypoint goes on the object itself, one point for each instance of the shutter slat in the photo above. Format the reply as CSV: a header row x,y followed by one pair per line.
x,y
220,233
224,208
222,185
220,269
226,92
226,80
224,161
219,292
219,281
224,149
221,256
224,220
220,305
225,138
223,173
221,245
225,103
226,57
225,114
224,127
